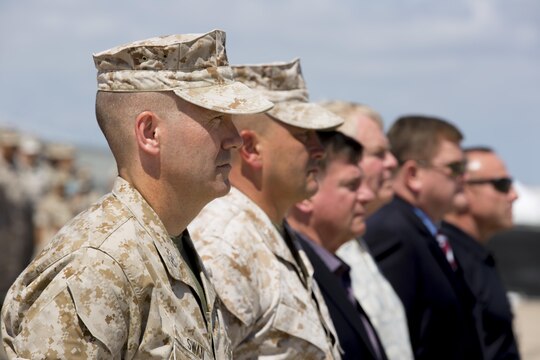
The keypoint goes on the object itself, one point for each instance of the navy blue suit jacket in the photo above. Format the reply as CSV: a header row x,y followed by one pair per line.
x,y
482,277
352,335
438,304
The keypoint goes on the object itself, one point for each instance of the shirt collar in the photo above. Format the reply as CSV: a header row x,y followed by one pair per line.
x,y
271,234
150,221
332,262
430,225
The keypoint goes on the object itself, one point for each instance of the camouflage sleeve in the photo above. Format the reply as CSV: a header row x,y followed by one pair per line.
x,y
85,314
236,285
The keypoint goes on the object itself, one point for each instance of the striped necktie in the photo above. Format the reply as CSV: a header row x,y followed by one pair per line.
x,y
444,244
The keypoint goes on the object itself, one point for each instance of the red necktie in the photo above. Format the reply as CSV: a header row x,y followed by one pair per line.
x,y
444,244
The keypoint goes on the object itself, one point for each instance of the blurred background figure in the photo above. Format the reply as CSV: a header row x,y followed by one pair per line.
x,y
84,193
405,240
33,174
365,125
370,287
9,143
53,210
60,157
322,223
42,186
483,209
16,226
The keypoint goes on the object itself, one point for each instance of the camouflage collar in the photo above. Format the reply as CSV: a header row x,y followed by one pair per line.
x,y
149,220
270,234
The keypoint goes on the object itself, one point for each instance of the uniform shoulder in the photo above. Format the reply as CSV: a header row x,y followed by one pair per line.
x,y
92,226
226,220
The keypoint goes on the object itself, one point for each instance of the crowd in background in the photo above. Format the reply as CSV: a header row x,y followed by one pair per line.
x,y
41,189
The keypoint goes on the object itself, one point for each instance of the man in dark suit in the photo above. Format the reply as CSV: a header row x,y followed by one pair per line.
x,y
480,211
334,215
404,239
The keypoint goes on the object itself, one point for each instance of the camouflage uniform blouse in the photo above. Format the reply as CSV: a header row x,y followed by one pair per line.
x,y
272,299
112,285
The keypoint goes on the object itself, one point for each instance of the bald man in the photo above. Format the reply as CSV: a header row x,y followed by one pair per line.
x,y
259,271
483,209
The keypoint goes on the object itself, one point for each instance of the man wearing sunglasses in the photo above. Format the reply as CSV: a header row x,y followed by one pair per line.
x,y
481,210
404,239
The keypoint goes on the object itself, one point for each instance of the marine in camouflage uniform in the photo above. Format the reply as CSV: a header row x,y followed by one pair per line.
x,y
52,211
112,284
16,226
122,279
275,309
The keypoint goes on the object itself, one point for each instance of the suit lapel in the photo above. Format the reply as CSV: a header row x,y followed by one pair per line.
x,y
331,286
454,277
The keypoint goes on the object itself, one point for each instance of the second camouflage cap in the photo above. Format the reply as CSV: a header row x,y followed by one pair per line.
x,y
193,66
283,84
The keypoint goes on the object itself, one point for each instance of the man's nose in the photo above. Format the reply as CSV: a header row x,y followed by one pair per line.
x,y
231,137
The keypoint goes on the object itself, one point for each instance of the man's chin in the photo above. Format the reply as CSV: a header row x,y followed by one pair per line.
x,y
385,194
311,188
222,188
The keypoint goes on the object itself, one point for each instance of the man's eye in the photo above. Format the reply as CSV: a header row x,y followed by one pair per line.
x,y
353,186
216,120
302,137
379,154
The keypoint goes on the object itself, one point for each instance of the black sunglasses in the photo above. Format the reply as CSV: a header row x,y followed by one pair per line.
x,y
457,168
502,185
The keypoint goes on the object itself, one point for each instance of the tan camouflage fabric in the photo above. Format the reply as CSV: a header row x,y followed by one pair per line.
x,y
272,314
112,285
283,84
378,299
194,66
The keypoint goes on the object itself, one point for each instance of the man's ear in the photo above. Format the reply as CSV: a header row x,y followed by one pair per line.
x,y
306,206
411,174
461,202
250,151
147,132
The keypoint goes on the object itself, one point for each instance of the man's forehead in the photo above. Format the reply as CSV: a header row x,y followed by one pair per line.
x,y
186,106
447,151
341,165
450,148
370,134
486,163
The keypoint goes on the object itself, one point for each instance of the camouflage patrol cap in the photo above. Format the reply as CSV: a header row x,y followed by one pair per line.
x,y
193,66
283,84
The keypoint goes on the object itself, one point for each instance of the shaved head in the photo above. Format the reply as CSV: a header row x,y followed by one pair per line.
x,y
116,113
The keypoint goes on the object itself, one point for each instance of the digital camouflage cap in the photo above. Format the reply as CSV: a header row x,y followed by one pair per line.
x,y
283,84
193,66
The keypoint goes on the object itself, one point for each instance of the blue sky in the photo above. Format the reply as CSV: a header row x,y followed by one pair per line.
x,y
475,63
